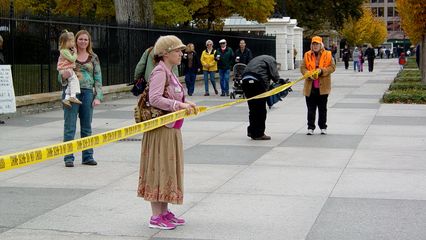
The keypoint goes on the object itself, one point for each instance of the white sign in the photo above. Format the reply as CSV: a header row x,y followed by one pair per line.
x,y
7,94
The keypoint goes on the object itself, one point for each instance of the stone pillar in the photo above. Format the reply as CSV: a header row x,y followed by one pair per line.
x,y
298,43
278,28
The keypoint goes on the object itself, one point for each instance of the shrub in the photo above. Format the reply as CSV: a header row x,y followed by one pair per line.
x,y
407,85
405,96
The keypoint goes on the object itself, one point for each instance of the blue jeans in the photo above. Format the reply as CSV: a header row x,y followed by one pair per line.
x,y
356,65
190,81
85,113
224,80
206,80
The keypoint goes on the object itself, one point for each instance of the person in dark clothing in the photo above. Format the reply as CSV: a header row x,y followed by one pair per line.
x,y
192,65
243,54
225,59
256,80
2,61
346,54
370,54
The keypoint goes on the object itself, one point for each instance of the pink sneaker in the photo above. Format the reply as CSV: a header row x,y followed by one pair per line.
x,y
173,219
161,222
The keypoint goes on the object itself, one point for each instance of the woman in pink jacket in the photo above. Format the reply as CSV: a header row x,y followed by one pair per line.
x,y
161,165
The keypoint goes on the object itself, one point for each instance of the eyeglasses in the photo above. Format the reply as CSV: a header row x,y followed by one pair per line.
x,y
222,43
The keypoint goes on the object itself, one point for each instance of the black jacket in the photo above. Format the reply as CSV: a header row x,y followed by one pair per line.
x,y
195,63
346,54
369,53
263,68
245,56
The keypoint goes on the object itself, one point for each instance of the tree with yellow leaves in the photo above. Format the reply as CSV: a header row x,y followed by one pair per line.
x,y
366,29
413,22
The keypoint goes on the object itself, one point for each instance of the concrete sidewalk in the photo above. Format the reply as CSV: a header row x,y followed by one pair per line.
x,y
365,180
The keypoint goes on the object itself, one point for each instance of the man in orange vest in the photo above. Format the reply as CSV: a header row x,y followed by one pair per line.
x,y
317,87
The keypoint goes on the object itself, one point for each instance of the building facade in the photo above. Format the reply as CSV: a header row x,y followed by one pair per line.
x,y
386,10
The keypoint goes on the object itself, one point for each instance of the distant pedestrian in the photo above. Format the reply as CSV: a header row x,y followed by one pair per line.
x,y
361,60
355,58
66,63
317,88
294,56
161,163
333,50
2,61
209,67
225,60
191,63
346,55
402,60
243,54
88,70
370,54
388,53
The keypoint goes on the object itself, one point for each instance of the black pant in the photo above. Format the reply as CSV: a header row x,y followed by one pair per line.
x,y
257,108
314,101
346,64
370,64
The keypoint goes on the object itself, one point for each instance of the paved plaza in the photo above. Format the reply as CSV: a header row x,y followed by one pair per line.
x,y
365,180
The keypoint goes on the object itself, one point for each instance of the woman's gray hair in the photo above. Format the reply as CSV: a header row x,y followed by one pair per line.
x,y
209,42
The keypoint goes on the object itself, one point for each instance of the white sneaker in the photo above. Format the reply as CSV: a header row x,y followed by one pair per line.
x,y
310,132
324,131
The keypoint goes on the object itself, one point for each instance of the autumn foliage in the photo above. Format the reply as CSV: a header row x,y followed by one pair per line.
x,y
413,18
366,29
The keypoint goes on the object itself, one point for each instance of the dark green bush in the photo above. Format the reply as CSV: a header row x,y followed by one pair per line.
x,y
407,85
405,96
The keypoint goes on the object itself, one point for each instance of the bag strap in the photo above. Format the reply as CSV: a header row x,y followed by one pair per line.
x,y
145,95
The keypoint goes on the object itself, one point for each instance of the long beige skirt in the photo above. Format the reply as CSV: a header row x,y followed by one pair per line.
x,y
161,166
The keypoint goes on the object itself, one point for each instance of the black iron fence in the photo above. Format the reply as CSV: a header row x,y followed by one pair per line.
x,y
31,47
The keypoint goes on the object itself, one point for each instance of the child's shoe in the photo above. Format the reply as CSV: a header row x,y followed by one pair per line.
x,y
66,103
173,219
160,222
74,100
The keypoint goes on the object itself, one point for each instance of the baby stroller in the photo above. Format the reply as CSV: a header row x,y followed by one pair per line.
x,y
237,88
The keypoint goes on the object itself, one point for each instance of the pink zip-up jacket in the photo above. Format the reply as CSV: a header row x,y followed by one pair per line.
x,y
175,90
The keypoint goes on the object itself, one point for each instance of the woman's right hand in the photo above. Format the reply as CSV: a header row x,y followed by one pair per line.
x,y
190,108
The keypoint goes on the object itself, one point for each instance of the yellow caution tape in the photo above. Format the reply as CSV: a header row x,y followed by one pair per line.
x,y
24,158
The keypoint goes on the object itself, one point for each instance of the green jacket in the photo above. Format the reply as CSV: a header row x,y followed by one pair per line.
x,y
145,66
226,59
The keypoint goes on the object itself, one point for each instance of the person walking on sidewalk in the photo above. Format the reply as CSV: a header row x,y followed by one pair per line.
x,y
256,80
370,54
355,58
191,62
224,57
317,88
88,71
346,55
209,67
161,162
